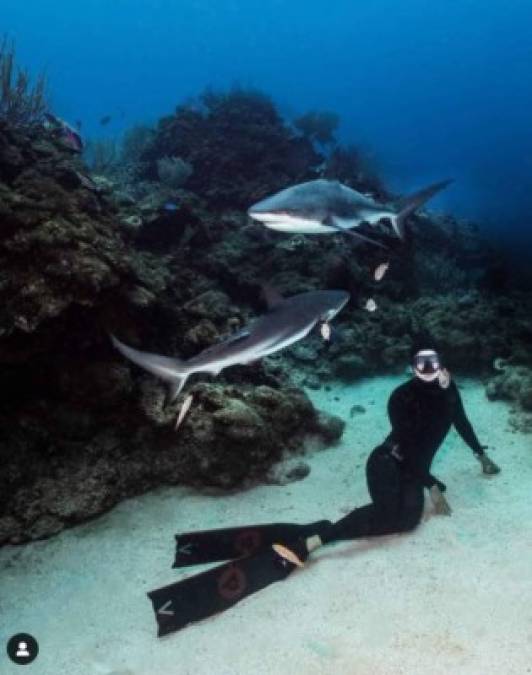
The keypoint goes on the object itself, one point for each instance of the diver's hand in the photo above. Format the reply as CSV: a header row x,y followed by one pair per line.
x,y
441,505
488,466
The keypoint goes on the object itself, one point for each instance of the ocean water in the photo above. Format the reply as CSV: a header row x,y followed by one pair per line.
x,y
126,211
431,90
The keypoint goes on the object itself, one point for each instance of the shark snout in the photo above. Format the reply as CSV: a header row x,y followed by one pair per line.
x,y
278,217
268,216
261,210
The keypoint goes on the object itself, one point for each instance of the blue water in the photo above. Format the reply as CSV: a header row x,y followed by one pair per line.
x,y
431,88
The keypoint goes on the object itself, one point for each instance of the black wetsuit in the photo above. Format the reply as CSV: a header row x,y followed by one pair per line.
x,y
421,415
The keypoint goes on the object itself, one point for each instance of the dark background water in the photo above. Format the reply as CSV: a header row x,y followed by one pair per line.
x,y
431,88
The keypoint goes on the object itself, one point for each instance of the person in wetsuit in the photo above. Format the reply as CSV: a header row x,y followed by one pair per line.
x,y
421,412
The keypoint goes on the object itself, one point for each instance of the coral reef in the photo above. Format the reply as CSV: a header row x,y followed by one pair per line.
x,y
60,249
238,145
73,442
318,126
173,270
173,171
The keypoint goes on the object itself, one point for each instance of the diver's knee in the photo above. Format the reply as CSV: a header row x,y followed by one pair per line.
x,y
410,526
409,523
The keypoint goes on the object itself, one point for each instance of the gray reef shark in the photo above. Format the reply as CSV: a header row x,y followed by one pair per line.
x,y
326,206
287,321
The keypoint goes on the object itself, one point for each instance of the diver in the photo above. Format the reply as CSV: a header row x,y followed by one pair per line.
x,y
421,412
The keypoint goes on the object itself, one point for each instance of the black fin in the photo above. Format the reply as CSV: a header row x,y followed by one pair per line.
x,y
203,595
195,548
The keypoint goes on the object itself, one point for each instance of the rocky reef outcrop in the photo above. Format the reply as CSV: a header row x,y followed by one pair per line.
x,y
513,383
71,464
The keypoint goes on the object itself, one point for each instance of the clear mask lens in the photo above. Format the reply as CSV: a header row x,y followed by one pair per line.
x,y
427,364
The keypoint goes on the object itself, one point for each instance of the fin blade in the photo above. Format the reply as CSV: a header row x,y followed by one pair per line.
x,y
413,202
203,595
229,543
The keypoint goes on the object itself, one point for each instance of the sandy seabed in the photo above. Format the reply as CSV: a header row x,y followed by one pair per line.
x,y
454,596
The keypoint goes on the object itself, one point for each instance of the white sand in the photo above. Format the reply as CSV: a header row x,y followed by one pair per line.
x,y
455,596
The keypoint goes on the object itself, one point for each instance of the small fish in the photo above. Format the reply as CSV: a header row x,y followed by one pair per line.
x,y
87,182
371,305
68,136
105,120
170,206
325,330
381,270
73,140
184,409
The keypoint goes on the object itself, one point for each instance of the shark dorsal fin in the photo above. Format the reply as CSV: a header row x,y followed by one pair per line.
x,y
272,296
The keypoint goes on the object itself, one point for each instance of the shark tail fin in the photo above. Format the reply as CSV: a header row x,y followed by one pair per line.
x,y
411,203
172,371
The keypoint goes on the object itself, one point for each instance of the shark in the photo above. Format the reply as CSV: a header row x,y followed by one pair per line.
x,y
325,206
287,321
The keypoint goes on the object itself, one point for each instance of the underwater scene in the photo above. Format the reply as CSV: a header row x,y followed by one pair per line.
x,y
266,337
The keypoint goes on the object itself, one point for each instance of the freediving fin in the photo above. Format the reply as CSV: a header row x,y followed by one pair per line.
x,y
203,595
195,548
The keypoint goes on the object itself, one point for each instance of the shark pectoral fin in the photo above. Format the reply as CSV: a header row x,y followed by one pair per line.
x,y
331,222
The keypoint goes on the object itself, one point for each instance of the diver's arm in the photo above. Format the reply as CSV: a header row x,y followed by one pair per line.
x,y
464,428
463,425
